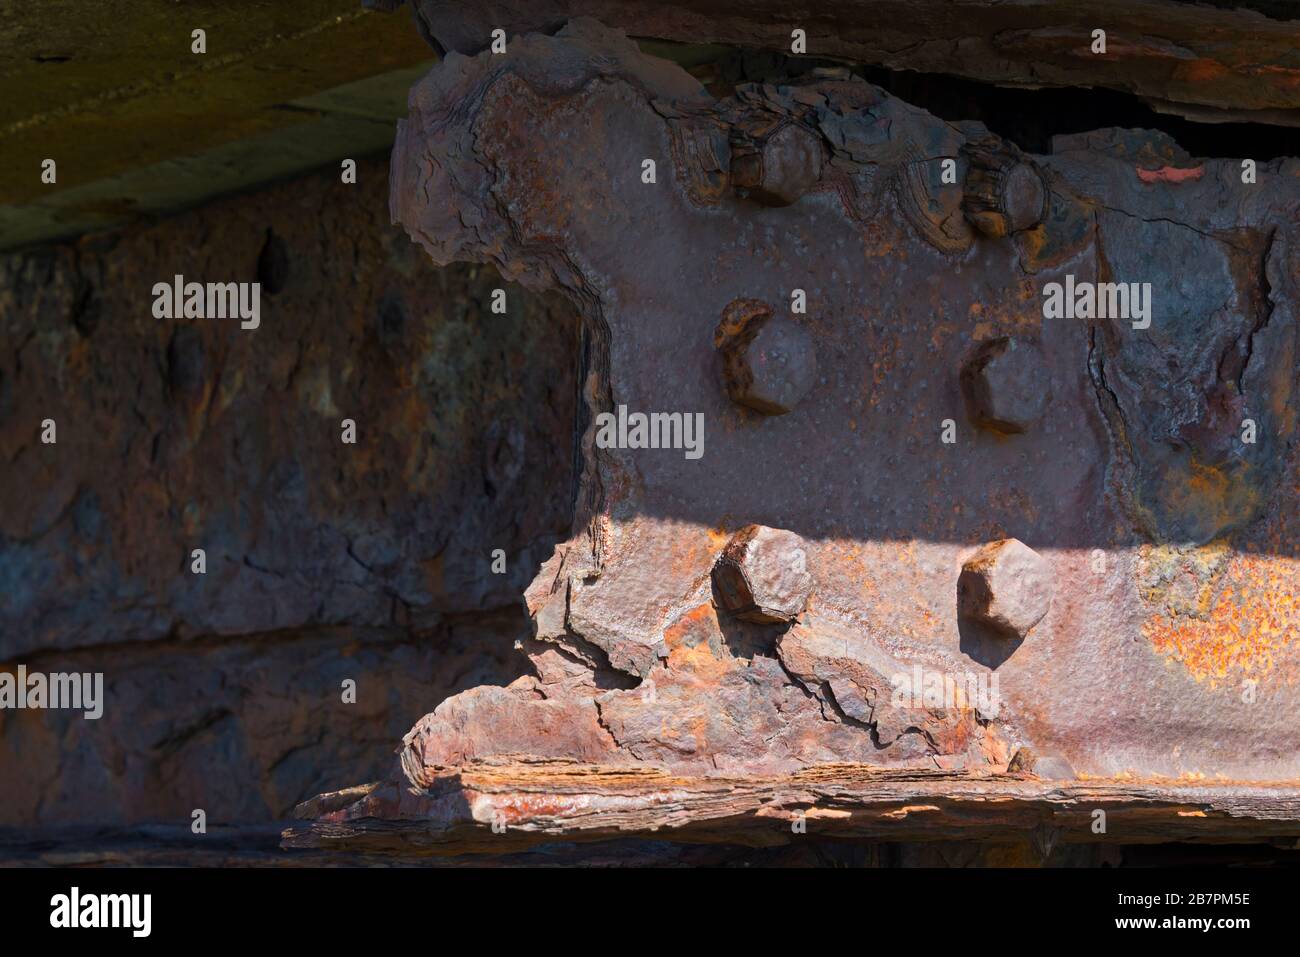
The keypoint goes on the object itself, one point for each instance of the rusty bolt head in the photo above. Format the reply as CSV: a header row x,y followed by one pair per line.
x,y
762,575
1004,196
781,168
1007,586
768,363
1024,197
1006,383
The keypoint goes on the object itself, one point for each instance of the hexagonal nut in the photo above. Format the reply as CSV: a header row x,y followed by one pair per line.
x,y
1007,586
1007,385
768,363
776,172
762,575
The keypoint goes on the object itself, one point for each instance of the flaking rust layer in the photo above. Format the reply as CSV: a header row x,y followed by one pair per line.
x,y
1164,641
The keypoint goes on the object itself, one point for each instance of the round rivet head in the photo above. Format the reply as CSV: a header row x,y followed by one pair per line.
x,y
1003,193
1023,197
1006,384
769,363
780,168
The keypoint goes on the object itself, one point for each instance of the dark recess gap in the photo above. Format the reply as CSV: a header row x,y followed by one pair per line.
x,y
1285,10
1030,118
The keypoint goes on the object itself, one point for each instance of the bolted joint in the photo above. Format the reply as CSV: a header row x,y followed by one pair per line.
x,y
1004,192
762,575
1006,385
768,363
1006,586
779,167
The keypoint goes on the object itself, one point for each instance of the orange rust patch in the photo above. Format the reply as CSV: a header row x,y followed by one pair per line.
x,y
719,536
1209,491
521,808
907,809
689,647
1201,71
692,553
1249,626
1170,174
1033,243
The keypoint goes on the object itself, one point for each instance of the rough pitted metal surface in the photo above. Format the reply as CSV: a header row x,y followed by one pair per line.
x,y
1170,645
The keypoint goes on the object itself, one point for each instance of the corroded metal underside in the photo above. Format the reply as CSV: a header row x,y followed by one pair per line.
x,y
502,806
1170,648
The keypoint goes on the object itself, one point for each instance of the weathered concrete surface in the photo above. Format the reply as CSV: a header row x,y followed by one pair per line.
x,y
1169,649
1231,59
108,88
325,561
141,126
351,121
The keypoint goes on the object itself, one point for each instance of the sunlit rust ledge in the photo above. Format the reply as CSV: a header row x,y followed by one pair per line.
x,y
537,800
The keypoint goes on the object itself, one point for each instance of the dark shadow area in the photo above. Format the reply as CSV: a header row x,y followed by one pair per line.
x,y
740,638
1030,118
347,588
985,645
258,845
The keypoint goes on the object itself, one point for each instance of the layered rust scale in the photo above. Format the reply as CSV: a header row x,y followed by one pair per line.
x,y
961,506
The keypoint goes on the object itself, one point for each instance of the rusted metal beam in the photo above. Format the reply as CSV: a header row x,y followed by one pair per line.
x,y
1226,61
499,807
906,449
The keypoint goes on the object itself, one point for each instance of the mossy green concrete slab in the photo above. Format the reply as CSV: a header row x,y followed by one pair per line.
x,y
349,121
113,87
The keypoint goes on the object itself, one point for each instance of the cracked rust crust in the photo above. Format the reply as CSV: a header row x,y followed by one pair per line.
x,y
1172,546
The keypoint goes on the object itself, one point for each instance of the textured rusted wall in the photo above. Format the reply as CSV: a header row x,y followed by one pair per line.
x,y
325,561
